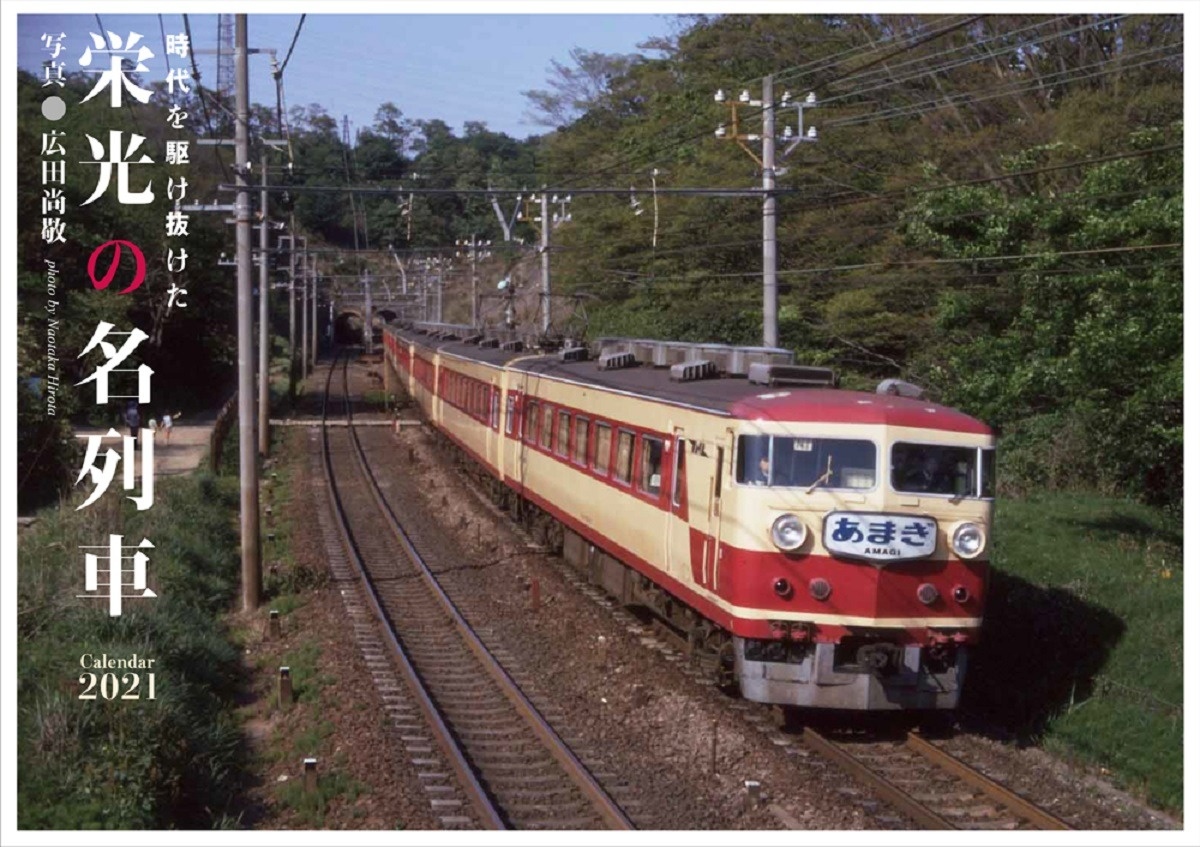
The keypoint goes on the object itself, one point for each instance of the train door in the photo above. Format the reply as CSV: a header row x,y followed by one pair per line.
x,y
508,425
716,506
704,463
678,552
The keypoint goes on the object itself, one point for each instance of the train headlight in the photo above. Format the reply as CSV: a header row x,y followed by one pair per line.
x,y
789,533
968,540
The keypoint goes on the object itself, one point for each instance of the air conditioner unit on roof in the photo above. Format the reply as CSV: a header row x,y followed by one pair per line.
x,y
762,373
693,370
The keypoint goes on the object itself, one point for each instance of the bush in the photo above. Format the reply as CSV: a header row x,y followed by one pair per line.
x,y
175,761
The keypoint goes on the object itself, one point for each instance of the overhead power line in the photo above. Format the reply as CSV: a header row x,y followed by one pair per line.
x,y
292,47
800,239
1161,54
893,263
888,77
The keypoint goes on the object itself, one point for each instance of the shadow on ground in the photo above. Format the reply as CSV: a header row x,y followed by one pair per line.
x,y
1041,650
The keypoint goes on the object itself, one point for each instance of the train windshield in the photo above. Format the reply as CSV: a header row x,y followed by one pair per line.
x,y
942,469
810,463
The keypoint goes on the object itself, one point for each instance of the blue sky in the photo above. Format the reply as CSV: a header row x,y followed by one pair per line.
x,y
453,67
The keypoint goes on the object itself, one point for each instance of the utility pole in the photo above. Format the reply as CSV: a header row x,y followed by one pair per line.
x,y
769,172
247,463
304,314
264,335
368,317
474,244
770,258
292,305
545,250
440,284
474,282
425,291
315,343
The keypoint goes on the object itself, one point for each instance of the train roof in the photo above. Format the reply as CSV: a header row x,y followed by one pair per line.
x,y
735,397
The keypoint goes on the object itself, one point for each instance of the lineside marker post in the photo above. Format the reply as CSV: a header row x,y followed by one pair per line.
x,y
753,793
274,631
310,775
285,687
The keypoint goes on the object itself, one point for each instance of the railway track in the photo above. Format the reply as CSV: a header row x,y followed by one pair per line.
x,y
932,788
498,763
929,786
916,779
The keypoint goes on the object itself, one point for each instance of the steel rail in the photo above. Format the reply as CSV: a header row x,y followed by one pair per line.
x,y
1013,802
609,811
489,815
889,791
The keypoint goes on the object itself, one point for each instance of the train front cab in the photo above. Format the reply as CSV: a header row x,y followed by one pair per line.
x,y
857,569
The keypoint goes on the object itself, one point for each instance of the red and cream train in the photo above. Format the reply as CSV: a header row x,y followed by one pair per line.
x,y
826,548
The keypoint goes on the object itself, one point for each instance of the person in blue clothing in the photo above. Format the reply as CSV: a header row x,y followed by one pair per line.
x,y
133,419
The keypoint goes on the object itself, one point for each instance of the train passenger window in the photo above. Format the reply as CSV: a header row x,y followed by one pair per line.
x,y
531,421
603,448
987,473
581,438
547,430
495,414
510,406
623,471
562,444
650,474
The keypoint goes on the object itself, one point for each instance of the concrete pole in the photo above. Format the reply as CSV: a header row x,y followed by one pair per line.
x,y
315,336
770,284
425,291
264,323
474,283
292,307
368,319
304,314
545,263
247,462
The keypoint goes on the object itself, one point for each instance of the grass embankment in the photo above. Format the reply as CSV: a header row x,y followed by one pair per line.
x,y
288,733
174,761
1083,639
